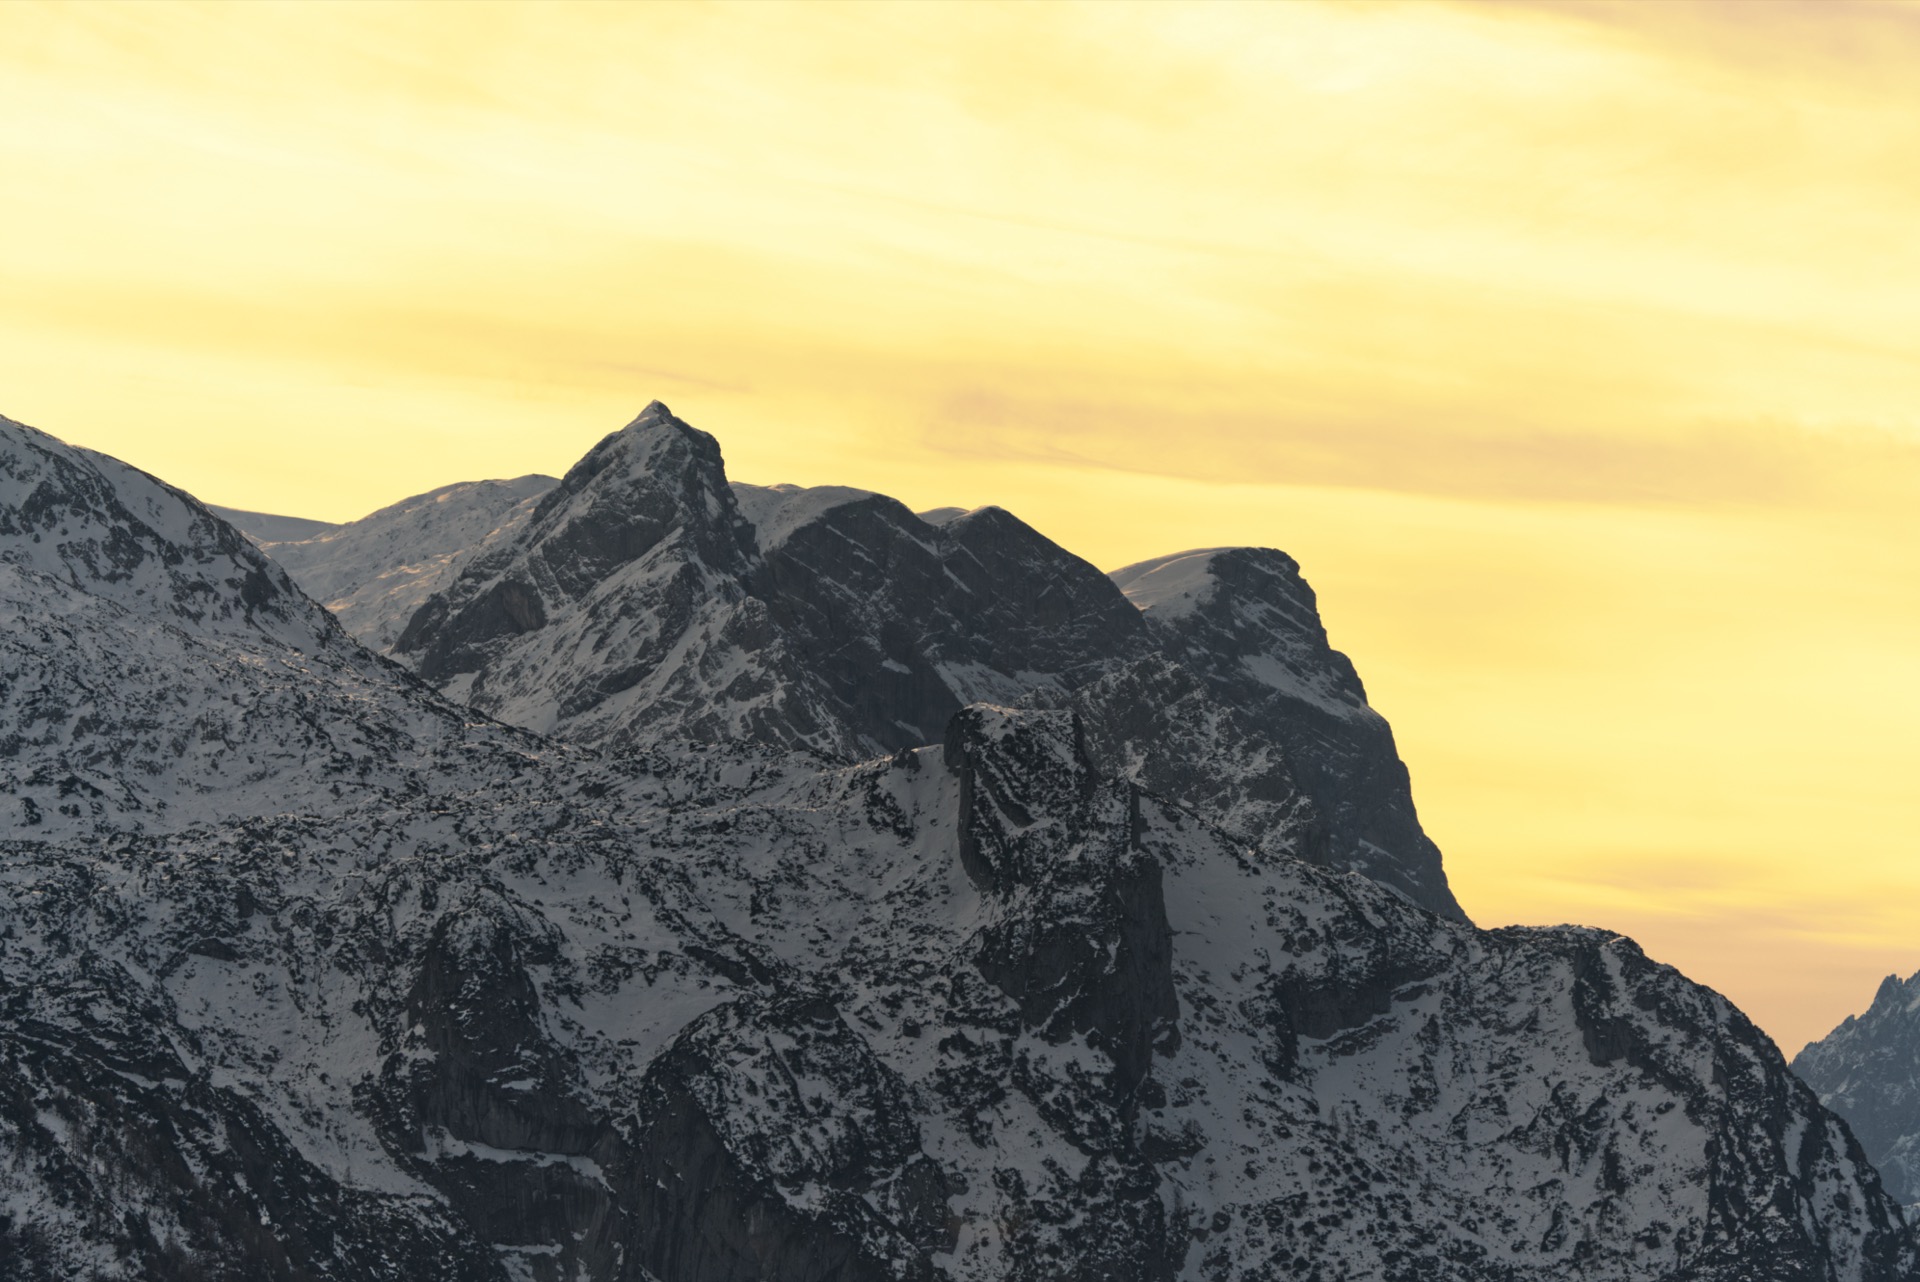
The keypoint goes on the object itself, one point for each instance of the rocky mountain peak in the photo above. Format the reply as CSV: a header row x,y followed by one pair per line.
x,y
1868,1071
112,532
646,598
649,504
1895,991
1248,607
307,972
1247,624
654,479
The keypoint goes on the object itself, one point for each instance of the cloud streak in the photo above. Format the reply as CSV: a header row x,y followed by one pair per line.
x,y
1571,346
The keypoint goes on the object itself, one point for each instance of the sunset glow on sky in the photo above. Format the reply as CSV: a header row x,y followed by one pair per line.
x,y
1574,349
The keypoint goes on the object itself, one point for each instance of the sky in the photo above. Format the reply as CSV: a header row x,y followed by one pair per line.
x,y
1573,349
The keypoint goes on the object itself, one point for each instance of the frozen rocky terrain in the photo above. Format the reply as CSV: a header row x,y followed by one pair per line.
x,y
1868,1071
308,971
373,573
647,600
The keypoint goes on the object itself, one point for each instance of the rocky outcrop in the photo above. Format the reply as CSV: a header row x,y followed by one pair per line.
x,y
1246,624
510,1009
1078,937
647,600
905,622
1868,1071
157,671
373,573
618,615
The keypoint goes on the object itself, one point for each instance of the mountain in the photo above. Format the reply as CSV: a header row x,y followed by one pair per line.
x,y
1868,1071
373,573
504,1007
264,527
1244,621
158,671
648,600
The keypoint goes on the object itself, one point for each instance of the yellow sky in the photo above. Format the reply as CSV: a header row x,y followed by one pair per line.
x,y
1571,347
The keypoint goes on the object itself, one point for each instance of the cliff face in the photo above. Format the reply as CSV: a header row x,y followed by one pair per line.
x,y
1868,1071
463,1002
648,601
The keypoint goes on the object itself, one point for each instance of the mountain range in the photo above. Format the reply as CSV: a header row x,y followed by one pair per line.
x,y
648,876
1868,1071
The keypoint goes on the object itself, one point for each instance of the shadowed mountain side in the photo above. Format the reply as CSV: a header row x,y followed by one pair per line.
x,y
1868,1071
1246,623
647,600
373,573
435,998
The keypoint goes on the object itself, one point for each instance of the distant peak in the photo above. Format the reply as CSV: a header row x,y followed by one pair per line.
x,y
1892,989
656,412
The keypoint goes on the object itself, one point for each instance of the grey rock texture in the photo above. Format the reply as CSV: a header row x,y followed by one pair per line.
x,y
1868,1071
509,1008
905,622
618,614
373,573
157,671
648,600
1246,625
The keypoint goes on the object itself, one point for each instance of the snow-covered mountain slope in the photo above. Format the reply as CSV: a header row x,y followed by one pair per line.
x,y
265,527
157,671
1245,622
719,1012
1868,1071
617,614
973,1013
373,573
836,619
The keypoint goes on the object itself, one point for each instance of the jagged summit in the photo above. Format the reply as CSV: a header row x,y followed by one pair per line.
x,y
584,620
358,985
645,599
1868,1071
656,411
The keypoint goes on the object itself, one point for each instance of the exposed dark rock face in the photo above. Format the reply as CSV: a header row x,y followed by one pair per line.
x,y
1868,1071
1079,937
1248,627
122,1156
765,1141
447,1000
1158,724
765,1103
646,600
905,622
